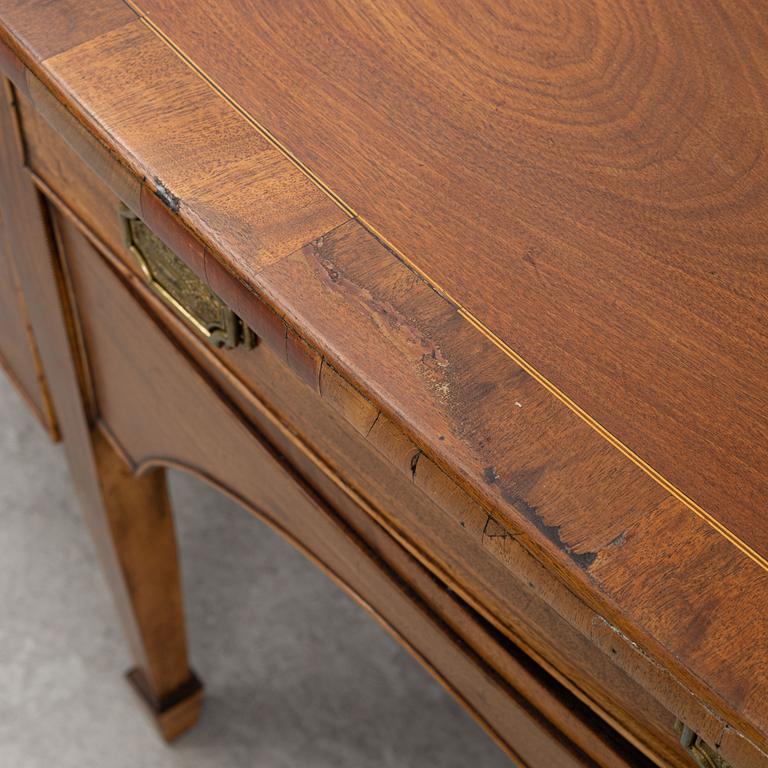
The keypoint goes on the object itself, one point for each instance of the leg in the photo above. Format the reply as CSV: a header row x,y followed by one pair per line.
x,y
129,517
138,524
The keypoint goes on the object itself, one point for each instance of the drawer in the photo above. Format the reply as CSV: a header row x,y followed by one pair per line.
x,y
358,456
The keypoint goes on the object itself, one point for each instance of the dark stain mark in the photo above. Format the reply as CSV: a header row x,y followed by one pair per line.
x,y
525,480
490,476
169,200
583,559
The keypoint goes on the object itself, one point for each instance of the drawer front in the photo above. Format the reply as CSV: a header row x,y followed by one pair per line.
x,y
354,448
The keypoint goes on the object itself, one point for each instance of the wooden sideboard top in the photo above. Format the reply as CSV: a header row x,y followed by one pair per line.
x,y
533,236
588,182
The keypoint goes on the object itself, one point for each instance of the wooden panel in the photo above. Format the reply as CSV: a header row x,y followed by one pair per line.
x,y
163,411
602,163
18,350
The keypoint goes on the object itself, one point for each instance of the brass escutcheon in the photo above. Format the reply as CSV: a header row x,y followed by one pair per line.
x,y
703,755
181,288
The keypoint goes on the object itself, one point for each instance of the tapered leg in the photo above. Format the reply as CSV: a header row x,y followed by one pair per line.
x,y
139,527
129,517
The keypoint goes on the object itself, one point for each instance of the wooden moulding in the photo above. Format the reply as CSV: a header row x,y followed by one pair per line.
x,y
409,412
13,68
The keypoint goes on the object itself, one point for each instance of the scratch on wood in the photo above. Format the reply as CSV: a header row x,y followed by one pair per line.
x,y
493,530
414,461
323,364
619,539
373,424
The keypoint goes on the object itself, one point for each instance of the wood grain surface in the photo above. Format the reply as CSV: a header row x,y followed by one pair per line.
x,y
587,179
530,192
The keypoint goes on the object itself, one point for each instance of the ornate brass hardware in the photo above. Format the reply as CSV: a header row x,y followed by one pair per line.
x,y
181,288
698,749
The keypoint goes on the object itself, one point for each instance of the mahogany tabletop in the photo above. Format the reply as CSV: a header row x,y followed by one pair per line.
x,y
587,182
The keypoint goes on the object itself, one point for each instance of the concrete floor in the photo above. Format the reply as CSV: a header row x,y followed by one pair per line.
x,y
298,676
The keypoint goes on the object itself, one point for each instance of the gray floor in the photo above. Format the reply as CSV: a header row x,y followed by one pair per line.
x,y
298,676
